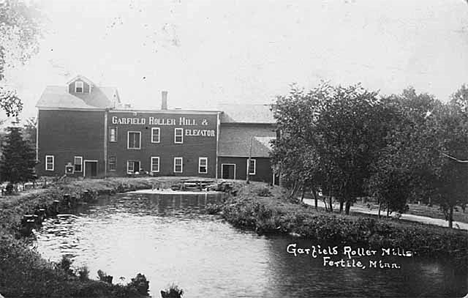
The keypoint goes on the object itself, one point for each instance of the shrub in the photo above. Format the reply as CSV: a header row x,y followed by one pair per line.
x,y
172,292
104,277
65,264
140,283
83,273
264,192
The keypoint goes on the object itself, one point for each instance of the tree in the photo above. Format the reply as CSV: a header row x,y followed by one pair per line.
x,y
404,169
330,137
452,173
30,131
19,34
18,159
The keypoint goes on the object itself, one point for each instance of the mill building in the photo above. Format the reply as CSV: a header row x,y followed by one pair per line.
x,y
84,130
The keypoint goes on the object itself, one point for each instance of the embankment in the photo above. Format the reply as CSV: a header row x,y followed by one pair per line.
x,y
23,273
265,210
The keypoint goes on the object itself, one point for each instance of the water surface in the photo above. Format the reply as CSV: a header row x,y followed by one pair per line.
x,y
166,238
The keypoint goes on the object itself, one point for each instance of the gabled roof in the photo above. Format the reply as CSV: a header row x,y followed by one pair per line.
x,y
59,97
80,77
236,142
247,113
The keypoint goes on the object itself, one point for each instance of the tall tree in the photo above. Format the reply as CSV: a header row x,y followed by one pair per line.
x,y
337,130
18,159
19,35
30,131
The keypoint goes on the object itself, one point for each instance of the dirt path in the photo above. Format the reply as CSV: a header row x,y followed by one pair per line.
x,y
408,217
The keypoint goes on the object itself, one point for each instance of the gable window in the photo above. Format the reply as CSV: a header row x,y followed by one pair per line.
x,y
154,164
252,166
79,86
155,134
203,165
112,164
134,140
113,134
178,168
78,162
178,135
49,163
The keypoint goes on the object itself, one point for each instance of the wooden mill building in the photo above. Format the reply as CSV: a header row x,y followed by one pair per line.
x,y
85,130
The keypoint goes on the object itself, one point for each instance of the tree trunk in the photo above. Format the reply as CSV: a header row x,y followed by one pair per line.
x,y
451,217
315,198
330,201
348,206
303,193
380,207
388,211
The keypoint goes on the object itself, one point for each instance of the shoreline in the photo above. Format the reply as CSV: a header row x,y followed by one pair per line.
x,y
256,207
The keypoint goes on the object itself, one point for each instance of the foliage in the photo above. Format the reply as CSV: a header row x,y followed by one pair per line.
x,y
172,292
347,142
83,273
20,25
140,283
279,215
329,137
104,276
29,131
18,159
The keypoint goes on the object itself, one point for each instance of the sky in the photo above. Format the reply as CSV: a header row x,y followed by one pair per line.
x,y
205,53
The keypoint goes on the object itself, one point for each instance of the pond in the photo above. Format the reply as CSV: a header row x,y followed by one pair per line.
x,y
165,237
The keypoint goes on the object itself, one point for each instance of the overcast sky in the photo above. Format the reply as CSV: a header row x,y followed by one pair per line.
x,y
209,52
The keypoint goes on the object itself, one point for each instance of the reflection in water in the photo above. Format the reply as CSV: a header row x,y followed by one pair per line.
x,y
163,237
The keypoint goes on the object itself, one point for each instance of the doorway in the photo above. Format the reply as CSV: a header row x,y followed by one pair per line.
x,y
90,168
228,171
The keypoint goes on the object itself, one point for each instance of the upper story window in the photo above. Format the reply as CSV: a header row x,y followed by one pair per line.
x,y
79,87
134,140
178,135
113,134
252,166
78,162
178,167
49,162
155,135
203,165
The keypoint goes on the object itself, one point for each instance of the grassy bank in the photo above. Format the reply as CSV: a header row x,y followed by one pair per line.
x,y
23,273
265,210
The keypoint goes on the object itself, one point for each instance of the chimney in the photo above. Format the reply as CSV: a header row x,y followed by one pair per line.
x,y
164,100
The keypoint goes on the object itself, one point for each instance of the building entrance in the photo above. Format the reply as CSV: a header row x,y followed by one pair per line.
x,y
228,171
90,168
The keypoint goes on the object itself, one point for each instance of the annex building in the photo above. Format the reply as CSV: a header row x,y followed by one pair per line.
x,y
85,130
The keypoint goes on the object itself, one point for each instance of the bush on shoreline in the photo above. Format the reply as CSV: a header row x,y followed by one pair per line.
x,y
272,215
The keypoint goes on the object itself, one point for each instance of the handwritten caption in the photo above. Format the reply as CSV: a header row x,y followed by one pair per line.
x,y
350,257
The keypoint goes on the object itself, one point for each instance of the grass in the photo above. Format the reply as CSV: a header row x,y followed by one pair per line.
x,y
276,214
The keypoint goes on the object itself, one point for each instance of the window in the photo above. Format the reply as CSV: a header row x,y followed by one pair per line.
x,y
49,163
112,164
178,136
203,165
154,164
155,135
78,162
178,168
134,140
252,166
113,134
79,87
133,166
